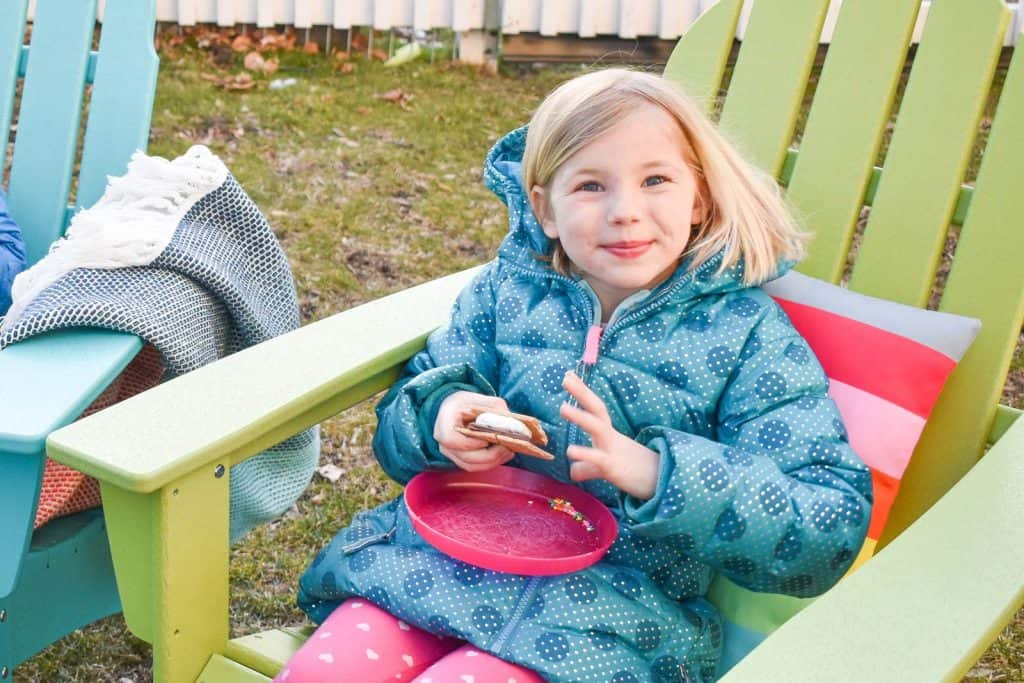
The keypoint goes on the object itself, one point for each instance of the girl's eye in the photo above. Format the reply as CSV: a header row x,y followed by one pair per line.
x,y
589,186
654,180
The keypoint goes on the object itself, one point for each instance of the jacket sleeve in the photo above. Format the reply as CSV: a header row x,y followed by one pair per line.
x,y
780,503
12,254
460,356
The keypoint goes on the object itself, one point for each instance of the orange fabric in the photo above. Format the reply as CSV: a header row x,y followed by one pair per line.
x,y
66,491
885,493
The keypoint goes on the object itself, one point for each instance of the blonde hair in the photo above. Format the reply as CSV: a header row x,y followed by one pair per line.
x,y
745,214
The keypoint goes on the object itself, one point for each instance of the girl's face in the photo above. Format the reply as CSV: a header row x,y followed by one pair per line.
x,y
623,205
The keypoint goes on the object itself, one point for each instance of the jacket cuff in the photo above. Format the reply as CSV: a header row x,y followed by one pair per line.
x,y
635,510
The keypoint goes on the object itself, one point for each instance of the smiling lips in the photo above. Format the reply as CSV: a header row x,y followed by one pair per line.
x,y
628,249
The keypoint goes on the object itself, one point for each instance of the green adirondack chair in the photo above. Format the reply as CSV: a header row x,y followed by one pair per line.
x,y
61,577
950,575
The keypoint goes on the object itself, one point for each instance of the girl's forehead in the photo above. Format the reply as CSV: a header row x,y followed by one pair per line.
x,y
648,133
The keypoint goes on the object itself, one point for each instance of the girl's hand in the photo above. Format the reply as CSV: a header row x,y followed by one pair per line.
x,y
614,457
472,455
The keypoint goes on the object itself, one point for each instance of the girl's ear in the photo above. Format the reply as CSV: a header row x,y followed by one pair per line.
x,y
701,204
542,209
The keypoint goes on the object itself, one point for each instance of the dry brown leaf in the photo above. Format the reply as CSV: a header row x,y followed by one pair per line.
x,y
365,111
242,43
254,61
331,473
242,81
395,95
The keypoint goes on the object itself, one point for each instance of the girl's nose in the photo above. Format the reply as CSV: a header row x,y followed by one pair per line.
x,y
623,208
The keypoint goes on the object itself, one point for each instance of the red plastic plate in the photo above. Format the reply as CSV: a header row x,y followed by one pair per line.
x,y
501,519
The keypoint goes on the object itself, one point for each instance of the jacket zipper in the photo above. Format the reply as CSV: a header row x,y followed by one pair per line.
x,y
591,350
370,540
525,599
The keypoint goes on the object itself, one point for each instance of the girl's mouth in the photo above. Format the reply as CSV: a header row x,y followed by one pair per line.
x,y
628,249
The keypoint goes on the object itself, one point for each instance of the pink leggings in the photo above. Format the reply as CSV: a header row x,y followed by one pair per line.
x,y
361,642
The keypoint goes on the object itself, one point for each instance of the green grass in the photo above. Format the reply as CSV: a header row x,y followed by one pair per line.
x,y
367,197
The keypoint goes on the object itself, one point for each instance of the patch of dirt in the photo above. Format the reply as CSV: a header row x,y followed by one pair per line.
x,y
363,264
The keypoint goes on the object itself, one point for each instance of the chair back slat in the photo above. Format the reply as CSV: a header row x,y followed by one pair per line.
x,y
845,126
12,31
48,120
985,282
118,121
931,145
770,78
698,63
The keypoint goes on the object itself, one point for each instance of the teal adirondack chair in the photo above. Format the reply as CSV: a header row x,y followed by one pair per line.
x,y
61,577
951,574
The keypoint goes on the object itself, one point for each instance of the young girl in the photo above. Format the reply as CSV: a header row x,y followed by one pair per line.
x,y
623,312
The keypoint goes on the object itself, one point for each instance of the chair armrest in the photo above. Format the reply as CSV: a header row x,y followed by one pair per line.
x,y
48,380
929,604
45,382
236,407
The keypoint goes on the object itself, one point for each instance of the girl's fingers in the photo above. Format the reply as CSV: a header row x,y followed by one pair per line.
x,y
587,399
584,471
480,459
588,422
592,456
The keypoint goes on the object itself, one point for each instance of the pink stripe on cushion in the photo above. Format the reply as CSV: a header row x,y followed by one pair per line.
x,y
895,368
882,433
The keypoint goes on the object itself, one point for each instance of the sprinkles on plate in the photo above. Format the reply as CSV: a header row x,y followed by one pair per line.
x,y
562,505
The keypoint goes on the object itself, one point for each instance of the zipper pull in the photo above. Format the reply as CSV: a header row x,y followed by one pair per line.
x,y
590,346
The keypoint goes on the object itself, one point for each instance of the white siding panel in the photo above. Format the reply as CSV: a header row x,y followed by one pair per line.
x,y
284,11
607,17
588,19
468,15
265,13
627,19
522,16
341,17
361,12
830,20
226,13
667,19
303,15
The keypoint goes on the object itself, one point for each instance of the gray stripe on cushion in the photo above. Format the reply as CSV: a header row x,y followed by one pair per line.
x,y
945,332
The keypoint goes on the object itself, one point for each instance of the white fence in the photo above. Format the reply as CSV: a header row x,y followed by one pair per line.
x,y
667,19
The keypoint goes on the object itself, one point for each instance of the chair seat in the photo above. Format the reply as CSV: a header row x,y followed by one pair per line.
x,y
264,653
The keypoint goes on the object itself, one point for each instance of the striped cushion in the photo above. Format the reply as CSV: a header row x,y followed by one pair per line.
x,y
886,364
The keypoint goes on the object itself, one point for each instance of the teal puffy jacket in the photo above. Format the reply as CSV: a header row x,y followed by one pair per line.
x,y
757,480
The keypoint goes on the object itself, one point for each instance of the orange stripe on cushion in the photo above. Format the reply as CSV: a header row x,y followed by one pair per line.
x,y
895,368
885,488
882,433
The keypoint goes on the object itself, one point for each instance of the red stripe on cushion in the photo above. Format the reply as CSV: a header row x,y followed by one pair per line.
x,y
885,488
882,433
895,368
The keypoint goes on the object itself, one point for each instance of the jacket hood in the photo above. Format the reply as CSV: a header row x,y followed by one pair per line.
x,y
525,242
